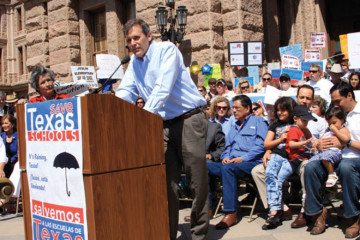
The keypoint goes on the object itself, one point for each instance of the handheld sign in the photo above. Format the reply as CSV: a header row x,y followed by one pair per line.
x,y
84,75
107,64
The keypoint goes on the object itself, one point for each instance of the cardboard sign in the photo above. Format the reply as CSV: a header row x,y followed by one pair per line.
x,y
84,75
107,64
54,165
317,40
312,55
354,50
292,50
289,61
253,71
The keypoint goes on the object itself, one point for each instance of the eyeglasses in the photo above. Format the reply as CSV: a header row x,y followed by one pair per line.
x,y
221,108
266,79
313,71
245,87
200,90
255,109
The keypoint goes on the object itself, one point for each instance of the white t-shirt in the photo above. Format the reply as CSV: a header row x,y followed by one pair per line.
x,y
322,88
353,125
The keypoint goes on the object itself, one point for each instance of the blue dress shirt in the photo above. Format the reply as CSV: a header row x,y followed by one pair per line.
x,y
246,141
160,77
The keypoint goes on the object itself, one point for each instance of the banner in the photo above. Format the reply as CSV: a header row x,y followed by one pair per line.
x,y
317,40
312,55
289,61
72,89
54,164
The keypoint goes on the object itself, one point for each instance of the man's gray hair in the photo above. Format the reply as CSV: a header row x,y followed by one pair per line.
x,y
133,22
40,70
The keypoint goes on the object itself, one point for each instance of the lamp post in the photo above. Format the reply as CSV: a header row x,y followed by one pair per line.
x,y
178,21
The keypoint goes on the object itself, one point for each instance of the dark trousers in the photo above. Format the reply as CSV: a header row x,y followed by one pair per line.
x,y
184,145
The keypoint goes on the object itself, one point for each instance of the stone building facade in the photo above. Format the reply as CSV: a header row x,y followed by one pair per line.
x,y
62,33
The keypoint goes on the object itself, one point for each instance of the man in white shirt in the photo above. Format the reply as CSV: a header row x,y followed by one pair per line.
x,y
348,169
321,86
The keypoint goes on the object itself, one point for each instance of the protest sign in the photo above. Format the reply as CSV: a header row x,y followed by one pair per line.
x,y
107,64
253,71
354,50
215,73
273,94
289,61
317,40
273,65
256,97
237,60
245,53
305,66
312,55
72,89
344,45
85,75
295,75
292,50
275,73
54,165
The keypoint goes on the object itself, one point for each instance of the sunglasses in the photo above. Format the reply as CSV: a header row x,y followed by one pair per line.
x,y
313,71
200,90
255,109
266,79
221,108
245,87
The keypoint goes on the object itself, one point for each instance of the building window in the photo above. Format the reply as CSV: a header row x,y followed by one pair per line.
x,y
21,61
19,19
99,32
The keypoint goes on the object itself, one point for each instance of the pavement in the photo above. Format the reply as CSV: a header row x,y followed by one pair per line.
x,y
13,229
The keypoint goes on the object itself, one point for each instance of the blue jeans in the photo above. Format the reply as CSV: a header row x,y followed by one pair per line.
x,y
348,171
278,169
229,174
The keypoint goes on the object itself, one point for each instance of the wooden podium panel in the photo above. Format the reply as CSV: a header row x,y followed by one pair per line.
x,y
128,204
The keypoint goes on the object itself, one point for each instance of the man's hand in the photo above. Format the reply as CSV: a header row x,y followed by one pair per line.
x,y
325,143
226,161
236,160
208,156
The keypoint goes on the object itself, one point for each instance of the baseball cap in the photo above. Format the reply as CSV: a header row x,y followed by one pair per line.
x,y
303,112
221,81
285,76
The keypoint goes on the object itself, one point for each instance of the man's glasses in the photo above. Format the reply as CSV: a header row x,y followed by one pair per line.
x,y
244,87
313,71
221,108
266,79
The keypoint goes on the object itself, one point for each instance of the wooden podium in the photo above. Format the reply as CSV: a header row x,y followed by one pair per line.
x,y
123,169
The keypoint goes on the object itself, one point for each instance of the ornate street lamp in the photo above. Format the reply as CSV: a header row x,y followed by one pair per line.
x,y
178,21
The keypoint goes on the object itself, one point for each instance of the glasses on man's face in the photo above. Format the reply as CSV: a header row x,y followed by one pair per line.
x,y
313,71
221,108
244,87
266,79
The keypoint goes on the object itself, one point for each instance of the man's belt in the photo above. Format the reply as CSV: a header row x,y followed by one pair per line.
x,y
186,115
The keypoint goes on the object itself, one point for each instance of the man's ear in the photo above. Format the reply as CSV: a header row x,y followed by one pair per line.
x,y
149,36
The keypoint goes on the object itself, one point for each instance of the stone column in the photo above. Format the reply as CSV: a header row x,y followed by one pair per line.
x,y
64,40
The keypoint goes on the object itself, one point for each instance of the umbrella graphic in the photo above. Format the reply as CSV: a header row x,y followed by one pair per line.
x,y
66,160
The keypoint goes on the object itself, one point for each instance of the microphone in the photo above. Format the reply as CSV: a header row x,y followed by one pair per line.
x,y
125,60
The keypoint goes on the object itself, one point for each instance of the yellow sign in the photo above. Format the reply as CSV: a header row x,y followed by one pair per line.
x,y
216,73
344,45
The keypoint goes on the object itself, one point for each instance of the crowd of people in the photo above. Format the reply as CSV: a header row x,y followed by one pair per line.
x,y
219,132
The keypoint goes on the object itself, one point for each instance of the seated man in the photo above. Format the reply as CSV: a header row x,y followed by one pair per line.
x,y
244,149
348,169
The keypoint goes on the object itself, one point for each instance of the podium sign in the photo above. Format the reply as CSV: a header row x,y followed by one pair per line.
x,y
54,163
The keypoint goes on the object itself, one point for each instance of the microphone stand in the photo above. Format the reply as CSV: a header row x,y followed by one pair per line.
x,y
97,90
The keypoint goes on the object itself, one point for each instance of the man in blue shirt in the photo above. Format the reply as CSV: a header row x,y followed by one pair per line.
x,y
157,73
243,151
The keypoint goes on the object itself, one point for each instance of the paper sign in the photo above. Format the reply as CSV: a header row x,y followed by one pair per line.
x,y
354,50
312,55
292,50
72,89
317,40
344,45
54,165
288,61
237,60
275,73
293,73
85,75
254,59
273,65
255,47
256,97
236,48
253,71
272,94
107,64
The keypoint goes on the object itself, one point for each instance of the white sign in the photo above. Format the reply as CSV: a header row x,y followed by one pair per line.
x,y
354,49
317,40
273,94
273,66
54,165
288,61
84,74
237,60
72,89
236,48
312,55
107,64
254,59
255,47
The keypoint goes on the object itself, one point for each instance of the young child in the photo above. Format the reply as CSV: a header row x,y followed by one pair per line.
x,y
336,119
274,175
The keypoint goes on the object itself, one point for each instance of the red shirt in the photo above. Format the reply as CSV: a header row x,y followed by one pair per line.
x,y
295,134
42,99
